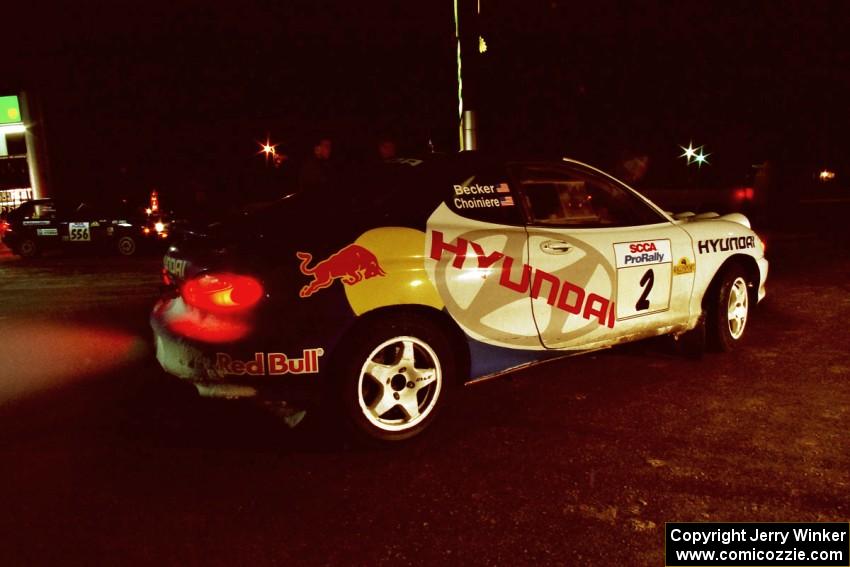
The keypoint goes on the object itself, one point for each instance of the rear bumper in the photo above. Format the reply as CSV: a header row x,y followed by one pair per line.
x,y
242,369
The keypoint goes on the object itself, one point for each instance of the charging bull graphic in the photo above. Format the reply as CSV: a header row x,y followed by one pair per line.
x,y
352,264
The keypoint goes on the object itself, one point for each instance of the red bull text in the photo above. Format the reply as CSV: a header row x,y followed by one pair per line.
x,y
272,363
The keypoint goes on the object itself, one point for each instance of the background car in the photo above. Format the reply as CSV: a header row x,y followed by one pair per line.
x,y
383,293
44,224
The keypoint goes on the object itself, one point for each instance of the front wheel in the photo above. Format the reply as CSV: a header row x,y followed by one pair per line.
x,y
729,311
395,376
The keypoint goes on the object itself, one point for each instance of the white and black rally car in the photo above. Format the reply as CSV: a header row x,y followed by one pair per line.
x,y
404,281
46,224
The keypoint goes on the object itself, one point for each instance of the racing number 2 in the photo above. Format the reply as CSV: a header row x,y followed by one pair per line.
x,y
646,282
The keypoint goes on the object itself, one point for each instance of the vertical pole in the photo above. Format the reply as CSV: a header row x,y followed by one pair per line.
x,y
470,130
36,145
466,31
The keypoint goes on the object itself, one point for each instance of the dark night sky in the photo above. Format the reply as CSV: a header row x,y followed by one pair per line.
x,y
160,94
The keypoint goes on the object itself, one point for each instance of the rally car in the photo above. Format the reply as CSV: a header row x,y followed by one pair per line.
x,y
44,224
384,293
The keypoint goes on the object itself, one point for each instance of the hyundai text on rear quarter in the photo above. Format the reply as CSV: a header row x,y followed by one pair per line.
x,y
382,295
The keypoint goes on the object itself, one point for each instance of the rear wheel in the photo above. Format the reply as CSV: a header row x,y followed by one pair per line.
x,y
395,377
729,311
28,248
126,245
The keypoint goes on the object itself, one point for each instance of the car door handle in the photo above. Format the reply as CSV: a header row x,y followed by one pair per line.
x,y
555,247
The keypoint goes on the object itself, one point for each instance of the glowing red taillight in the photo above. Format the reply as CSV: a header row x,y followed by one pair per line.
x,y
222,292
744,194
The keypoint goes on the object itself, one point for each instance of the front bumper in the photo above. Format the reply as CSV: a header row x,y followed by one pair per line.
x,y
763,269
239,369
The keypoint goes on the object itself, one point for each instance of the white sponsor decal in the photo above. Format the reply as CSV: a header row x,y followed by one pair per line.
x,y
642,253
47,231
79,231
644,271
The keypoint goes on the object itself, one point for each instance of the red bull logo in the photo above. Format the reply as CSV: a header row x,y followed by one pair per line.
x,y
272,363
352,264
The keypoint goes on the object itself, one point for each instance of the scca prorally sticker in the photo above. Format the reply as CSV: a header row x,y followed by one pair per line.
x,y
726,244
270,364
684,266
352,265
642,253
482,196
644,270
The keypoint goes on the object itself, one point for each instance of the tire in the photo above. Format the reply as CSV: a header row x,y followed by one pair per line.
x,y
728,311
28,248
394,377
126,245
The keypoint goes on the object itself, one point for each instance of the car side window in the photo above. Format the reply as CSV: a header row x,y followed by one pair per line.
x,y
43,211
558,195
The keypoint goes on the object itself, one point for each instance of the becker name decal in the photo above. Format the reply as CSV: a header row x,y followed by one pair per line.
x,y
642,253
272,363
482,196
726,244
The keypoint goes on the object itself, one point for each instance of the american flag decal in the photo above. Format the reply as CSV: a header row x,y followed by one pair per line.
x,y
507,201
503,188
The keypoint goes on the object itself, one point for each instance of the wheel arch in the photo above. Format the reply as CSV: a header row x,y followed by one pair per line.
x,y
743,262
456,336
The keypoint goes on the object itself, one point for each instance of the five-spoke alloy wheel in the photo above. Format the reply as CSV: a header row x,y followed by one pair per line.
x,y
399,383
395,376
728,311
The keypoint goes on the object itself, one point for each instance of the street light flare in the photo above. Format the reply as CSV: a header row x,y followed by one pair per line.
x,y
690,152
695,155
267,149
